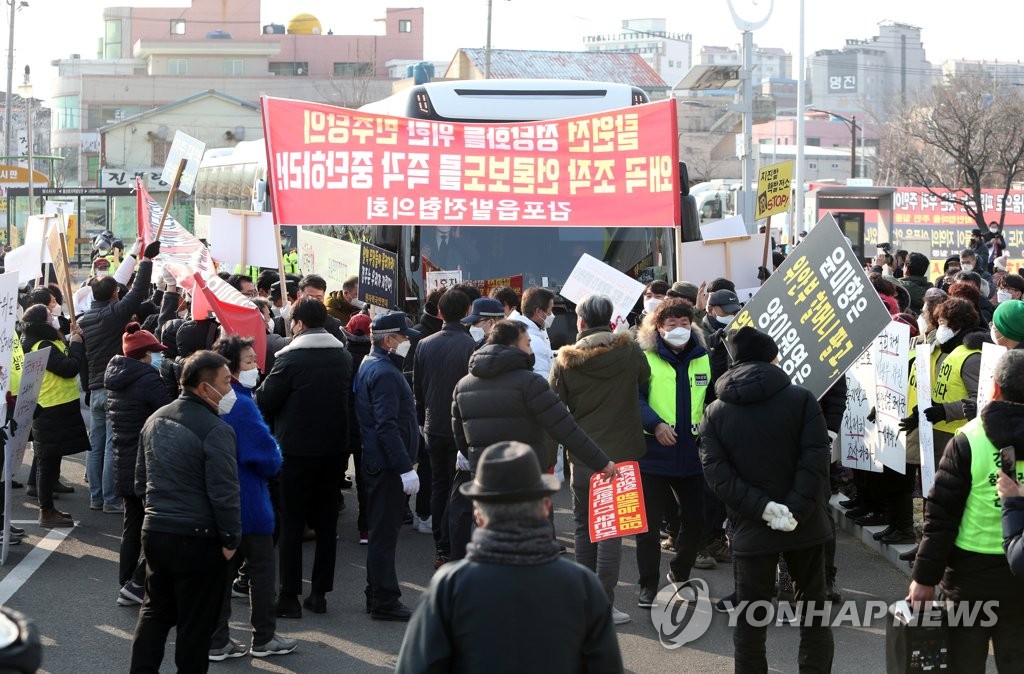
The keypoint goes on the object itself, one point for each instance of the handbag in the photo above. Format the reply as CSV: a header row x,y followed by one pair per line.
x,y
916,643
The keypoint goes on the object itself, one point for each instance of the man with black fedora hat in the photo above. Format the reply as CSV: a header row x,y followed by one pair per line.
x,y
766,453
387,423
467,618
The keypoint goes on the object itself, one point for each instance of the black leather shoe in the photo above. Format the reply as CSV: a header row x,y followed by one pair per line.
x,y
859,511
850,503
288,606
871,520
897,536
647,597
832,590
909,555
61,488
399,613
879,535
316,603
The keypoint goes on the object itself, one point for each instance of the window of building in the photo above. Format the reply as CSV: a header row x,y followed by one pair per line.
x,y
177,26
92,168
290,68
405,25
234,67
835,165
352,69
812,164
112,39
160,148
816,142
177,66
67,113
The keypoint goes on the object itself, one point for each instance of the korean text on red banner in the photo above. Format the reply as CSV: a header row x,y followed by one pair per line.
x,y
617,506
610,169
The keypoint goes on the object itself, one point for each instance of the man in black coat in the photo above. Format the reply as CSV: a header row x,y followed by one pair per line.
x,y
765,453
513,571
305,399
963,536
441,360
102,327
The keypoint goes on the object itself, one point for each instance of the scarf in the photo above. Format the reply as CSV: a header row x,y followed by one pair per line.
x,y
523,543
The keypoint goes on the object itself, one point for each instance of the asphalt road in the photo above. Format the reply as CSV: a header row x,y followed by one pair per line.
x,y
71,596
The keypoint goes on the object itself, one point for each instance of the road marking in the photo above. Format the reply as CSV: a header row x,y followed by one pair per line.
x,y
20,574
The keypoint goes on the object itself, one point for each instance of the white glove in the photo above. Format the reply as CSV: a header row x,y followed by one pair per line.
x,y
410,483
136,248
832,435
461,462
168,278
787,523
773,510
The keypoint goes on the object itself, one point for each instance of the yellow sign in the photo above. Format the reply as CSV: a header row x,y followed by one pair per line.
x,y
773,189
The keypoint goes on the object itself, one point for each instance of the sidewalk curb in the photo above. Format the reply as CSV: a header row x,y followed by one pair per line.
x,y
888,552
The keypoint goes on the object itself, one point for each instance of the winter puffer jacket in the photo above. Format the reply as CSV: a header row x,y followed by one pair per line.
x,y
502,399
134,393
765,439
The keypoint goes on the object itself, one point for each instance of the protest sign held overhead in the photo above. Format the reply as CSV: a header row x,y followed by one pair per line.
x,y
227,238
617,506
191,150
378,276
575,172
773,187
820,309
591,276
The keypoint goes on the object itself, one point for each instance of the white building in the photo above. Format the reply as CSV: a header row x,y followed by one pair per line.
x,y
670,54
770,63
1006,73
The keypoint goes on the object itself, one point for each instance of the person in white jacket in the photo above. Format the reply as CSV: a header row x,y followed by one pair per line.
x,y
538,315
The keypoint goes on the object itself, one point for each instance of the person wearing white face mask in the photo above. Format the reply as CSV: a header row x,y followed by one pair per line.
x,y
259,459
388,425
188,470
654,294
305,397
538,316
1011,287
485,313
672,406
723,305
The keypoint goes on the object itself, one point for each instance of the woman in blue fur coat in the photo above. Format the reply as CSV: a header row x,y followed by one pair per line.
x,y
259,459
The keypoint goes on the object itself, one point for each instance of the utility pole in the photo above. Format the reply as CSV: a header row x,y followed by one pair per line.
x,y
10,80
487,48
797,223
748,129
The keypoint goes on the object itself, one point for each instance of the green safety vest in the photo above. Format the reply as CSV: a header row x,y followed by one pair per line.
x,y
17,359
948,385
291,263
981,528
912,383
55,389
662,395
250,271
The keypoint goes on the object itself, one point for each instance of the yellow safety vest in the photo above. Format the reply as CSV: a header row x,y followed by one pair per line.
x,y
17,359
291,263
251,272
948,385
55,389
662,395
981,528
912,383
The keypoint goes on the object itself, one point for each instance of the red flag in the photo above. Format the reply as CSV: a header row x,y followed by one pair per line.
x,y
235,312
177,245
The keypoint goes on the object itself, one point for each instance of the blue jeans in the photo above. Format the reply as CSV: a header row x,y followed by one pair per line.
x,y
100,465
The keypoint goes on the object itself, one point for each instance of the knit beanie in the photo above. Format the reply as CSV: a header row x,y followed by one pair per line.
x,y
37,313
750,344
136,342
1009,320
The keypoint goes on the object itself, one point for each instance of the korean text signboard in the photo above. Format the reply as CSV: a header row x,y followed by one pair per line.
x,y
486,286
773,186
820,309
378,269
858,435
608,169
443,280
191,150
617,506
591,276
8,314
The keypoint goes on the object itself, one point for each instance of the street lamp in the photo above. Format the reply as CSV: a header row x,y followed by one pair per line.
x,y
853,136
25,91
15,6
487,47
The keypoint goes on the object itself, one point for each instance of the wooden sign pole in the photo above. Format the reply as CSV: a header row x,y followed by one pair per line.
x,y
66,289
282,281
170,197
725,242
767,238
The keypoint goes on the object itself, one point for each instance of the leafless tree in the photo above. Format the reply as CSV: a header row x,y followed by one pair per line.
x,y
966,136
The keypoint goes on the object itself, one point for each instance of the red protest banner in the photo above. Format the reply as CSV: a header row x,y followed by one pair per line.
x,y
617,506
611,169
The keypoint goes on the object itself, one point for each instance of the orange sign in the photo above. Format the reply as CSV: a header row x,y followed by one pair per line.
x,y
617,506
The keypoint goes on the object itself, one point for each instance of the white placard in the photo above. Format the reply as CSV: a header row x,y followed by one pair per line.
x,y
737,260
8,316
591,276
191,150
37,229
923,365
334,259
32,371
442,280
724,229
892,364
226,239
990,355
859,436
25,261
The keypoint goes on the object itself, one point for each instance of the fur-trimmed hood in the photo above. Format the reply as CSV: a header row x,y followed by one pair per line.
x,y
315,338
647,334
593,346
